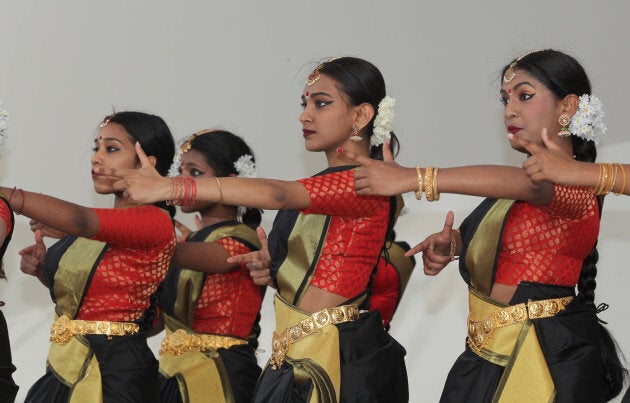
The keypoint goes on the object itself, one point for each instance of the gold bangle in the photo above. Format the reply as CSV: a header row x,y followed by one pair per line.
x,y
428,179
420,184
220,191
623,172
436,194
453,245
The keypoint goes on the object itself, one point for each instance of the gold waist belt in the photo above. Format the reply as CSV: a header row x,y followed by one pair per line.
x,y
316,321
180,342
64,328
480,331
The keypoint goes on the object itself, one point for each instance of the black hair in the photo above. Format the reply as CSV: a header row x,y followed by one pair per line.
x,y
361,82
222,149
564,75
155,138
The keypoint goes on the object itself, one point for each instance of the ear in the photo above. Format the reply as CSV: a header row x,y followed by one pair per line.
x,y
365,113
569,104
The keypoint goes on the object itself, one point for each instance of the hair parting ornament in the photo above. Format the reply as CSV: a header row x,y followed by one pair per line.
x,y
510,72
314,76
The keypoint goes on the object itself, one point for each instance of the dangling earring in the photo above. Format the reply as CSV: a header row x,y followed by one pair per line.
x,y
564,123
355,134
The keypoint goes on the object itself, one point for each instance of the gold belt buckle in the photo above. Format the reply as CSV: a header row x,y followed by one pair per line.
x,y
61,330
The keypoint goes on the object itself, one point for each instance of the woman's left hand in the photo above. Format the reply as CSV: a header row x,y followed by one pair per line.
x,y
258,262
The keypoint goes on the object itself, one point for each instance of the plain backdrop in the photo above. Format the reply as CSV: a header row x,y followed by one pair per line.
x,y
241,66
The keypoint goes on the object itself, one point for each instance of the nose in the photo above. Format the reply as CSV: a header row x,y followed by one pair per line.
x,y
96,158
510,111
305,116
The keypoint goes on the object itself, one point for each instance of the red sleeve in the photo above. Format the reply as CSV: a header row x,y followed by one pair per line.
x,y
333,194
571,201
5,216
136,227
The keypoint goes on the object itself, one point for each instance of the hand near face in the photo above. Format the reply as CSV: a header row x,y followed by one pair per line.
x,y
548,162
141,185
258,262
382,178
436,248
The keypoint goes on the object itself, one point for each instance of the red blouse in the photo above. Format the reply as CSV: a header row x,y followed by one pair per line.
x,y
355,234
141,244
548,244
229,302
5,216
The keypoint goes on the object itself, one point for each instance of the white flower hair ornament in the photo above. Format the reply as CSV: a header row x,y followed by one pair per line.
x,y
588,121
384,122
4,116
245,168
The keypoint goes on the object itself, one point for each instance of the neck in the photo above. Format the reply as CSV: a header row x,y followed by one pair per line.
x,y
217,214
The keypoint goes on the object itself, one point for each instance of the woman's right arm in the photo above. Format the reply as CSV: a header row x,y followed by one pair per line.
x,y
64,216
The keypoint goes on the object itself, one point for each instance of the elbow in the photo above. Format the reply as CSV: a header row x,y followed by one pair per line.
x,y
85,224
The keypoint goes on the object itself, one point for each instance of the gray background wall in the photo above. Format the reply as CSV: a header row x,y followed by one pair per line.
x,y
241,66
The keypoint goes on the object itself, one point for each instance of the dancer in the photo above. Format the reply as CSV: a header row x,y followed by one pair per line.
x,y
8,388
522,251
211,308
104,275
323,245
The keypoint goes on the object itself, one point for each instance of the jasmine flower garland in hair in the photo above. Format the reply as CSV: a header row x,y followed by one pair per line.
x,y
245,168
4,116
384,122
173,171
588,121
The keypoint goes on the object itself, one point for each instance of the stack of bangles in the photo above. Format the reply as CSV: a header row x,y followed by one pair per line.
x,y
183,191
428,184
608,177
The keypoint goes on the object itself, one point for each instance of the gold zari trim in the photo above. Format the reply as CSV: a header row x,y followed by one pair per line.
x,y
180,342
64,328
480,331
318,320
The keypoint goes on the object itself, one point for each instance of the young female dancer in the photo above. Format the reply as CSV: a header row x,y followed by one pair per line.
x,y
323,245
211,308
104,275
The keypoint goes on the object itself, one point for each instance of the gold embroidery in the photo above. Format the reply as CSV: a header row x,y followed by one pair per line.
x,y
64,328
292,334
480,331
180,342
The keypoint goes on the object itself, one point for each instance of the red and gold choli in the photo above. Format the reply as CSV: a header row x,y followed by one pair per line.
x,y
355,234
229,302
141,241
547,244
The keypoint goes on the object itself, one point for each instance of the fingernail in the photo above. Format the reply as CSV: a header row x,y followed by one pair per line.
x,y
339,150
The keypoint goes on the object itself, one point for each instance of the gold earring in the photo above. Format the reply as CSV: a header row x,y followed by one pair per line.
x,y
355,134
564,120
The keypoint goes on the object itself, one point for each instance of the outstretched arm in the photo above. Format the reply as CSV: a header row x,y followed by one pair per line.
x,y
146,185
388,178
59,214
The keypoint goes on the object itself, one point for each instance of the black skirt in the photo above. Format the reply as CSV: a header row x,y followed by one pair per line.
x,y
372,368
569,341
241,366
129,373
